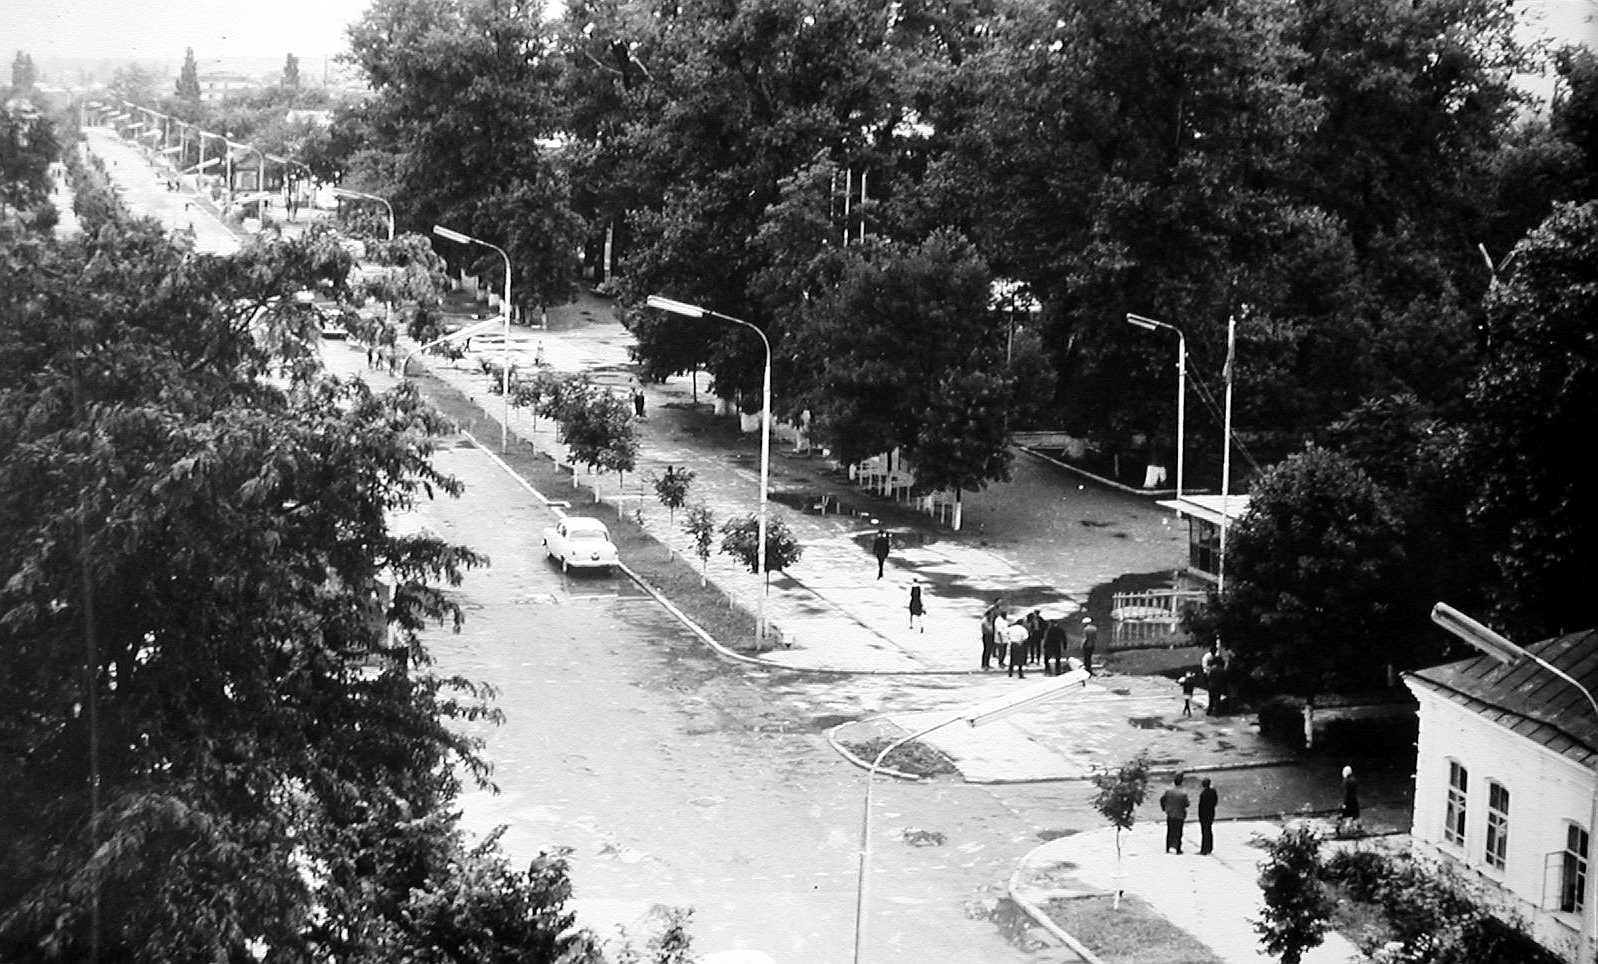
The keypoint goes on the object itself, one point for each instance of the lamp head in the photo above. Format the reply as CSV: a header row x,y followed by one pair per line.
x,y
1147,324
1477,635
449,235
675,307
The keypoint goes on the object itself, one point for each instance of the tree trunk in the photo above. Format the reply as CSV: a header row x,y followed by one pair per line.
x,y
959,510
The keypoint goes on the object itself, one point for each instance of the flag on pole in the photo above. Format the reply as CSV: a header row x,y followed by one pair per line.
x,y
1231,347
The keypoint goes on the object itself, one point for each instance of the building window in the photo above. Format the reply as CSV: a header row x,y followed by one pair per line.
x,y
1454,816
1497,825
1573,872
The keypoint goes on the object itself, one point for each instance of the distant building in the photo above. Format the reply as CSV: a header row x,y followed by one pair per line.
x,y
219,86
1506,784
321,118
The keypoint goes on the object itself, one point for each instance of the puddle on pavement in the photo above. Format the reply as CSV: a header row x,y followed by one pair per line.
x,y
1149,723
1047,835
1014,925
827,722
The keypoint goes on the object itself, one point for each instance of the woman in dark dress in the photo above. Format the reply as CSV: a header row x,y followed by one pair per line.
x,y
918,608
1348,816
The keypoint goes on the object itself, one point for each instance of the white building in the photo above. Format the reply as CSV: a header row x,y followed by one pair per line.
x,y
1506,784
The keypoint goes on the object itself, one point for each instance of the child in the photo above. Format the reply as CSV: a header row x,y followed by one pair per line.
x,y
1189,683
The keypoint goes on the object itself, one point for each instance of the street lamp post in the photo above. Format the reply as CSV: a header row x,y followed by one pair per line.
x,y
976,715
1149,324
504,425
1511,655
350,192
694,311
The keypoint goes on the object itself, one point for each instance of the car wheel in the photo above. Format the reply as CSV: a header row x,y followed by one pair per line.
x,y
565,566
548,552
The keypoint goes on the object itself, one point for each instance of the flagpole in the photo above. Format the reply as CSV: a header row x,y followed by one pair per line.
x,y
1226,449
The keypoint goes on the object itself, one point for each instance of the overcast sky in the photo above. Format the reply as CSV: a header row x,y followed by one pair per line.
x,y
160,29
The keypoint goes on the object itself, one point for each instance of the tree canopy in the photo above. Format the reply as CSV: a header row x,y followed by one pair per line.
x,y
1530,404
221,732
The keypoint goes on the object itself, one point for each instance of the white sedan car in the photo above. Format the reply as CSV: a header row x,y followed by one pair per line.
x,y
580,542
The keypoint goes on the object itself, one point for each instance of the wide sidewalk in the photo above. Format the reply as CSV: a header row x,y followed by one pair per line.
x,y
1214,898
837,616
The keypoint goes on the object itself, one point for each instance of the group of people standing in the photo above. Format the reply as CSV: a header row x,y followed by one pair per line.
x,y
1024,640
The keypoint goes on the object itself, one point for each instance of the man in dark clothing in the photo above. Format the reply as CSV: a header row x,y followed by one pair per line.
x,y
1054,649
989,633
1174,804
1090,642
1207,800
879,548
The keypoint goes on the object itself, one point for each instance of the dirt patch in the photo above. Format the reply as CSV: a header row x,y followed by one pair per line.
x,y
1134,933
917,759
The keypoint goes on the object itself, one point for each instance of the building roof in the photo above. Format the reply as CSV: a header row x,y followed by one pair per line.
x,y
1218,509
1526,699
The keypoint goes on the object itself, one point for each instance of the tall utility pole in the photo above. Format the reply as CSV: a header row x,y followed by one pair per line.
x,y
1226,450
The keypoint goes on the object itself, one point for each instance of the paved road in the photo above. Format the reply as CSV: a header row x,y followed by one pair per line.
x,y
680,779
145,192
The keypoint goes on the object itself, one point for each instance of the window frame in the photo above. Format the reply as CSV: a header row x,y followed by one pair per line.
x,y
1495,845
1456,804
1574,868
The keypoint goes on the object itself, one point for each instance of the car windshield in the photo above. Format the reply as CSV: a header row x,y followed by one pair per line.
x,y
588,533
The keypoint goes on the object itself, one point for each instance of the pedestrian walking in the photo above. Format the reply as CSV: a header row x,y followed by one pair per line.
x,y
1054,648
880,546
638,398
1208,798
1015,635
918,608
1348,816
1090,642
1173,803
1213,666
990,631
538,353
1189,683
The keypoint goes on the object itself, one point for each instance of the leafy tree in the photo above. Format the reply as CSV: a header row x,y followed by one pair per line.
x,y
291,73
1311,573
23,73
212,741
1120,792
740,538
462,127
672,489
1297,910
188,84
597,429
700,525
694,117
1531,402
1575,115
901,351
27,148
